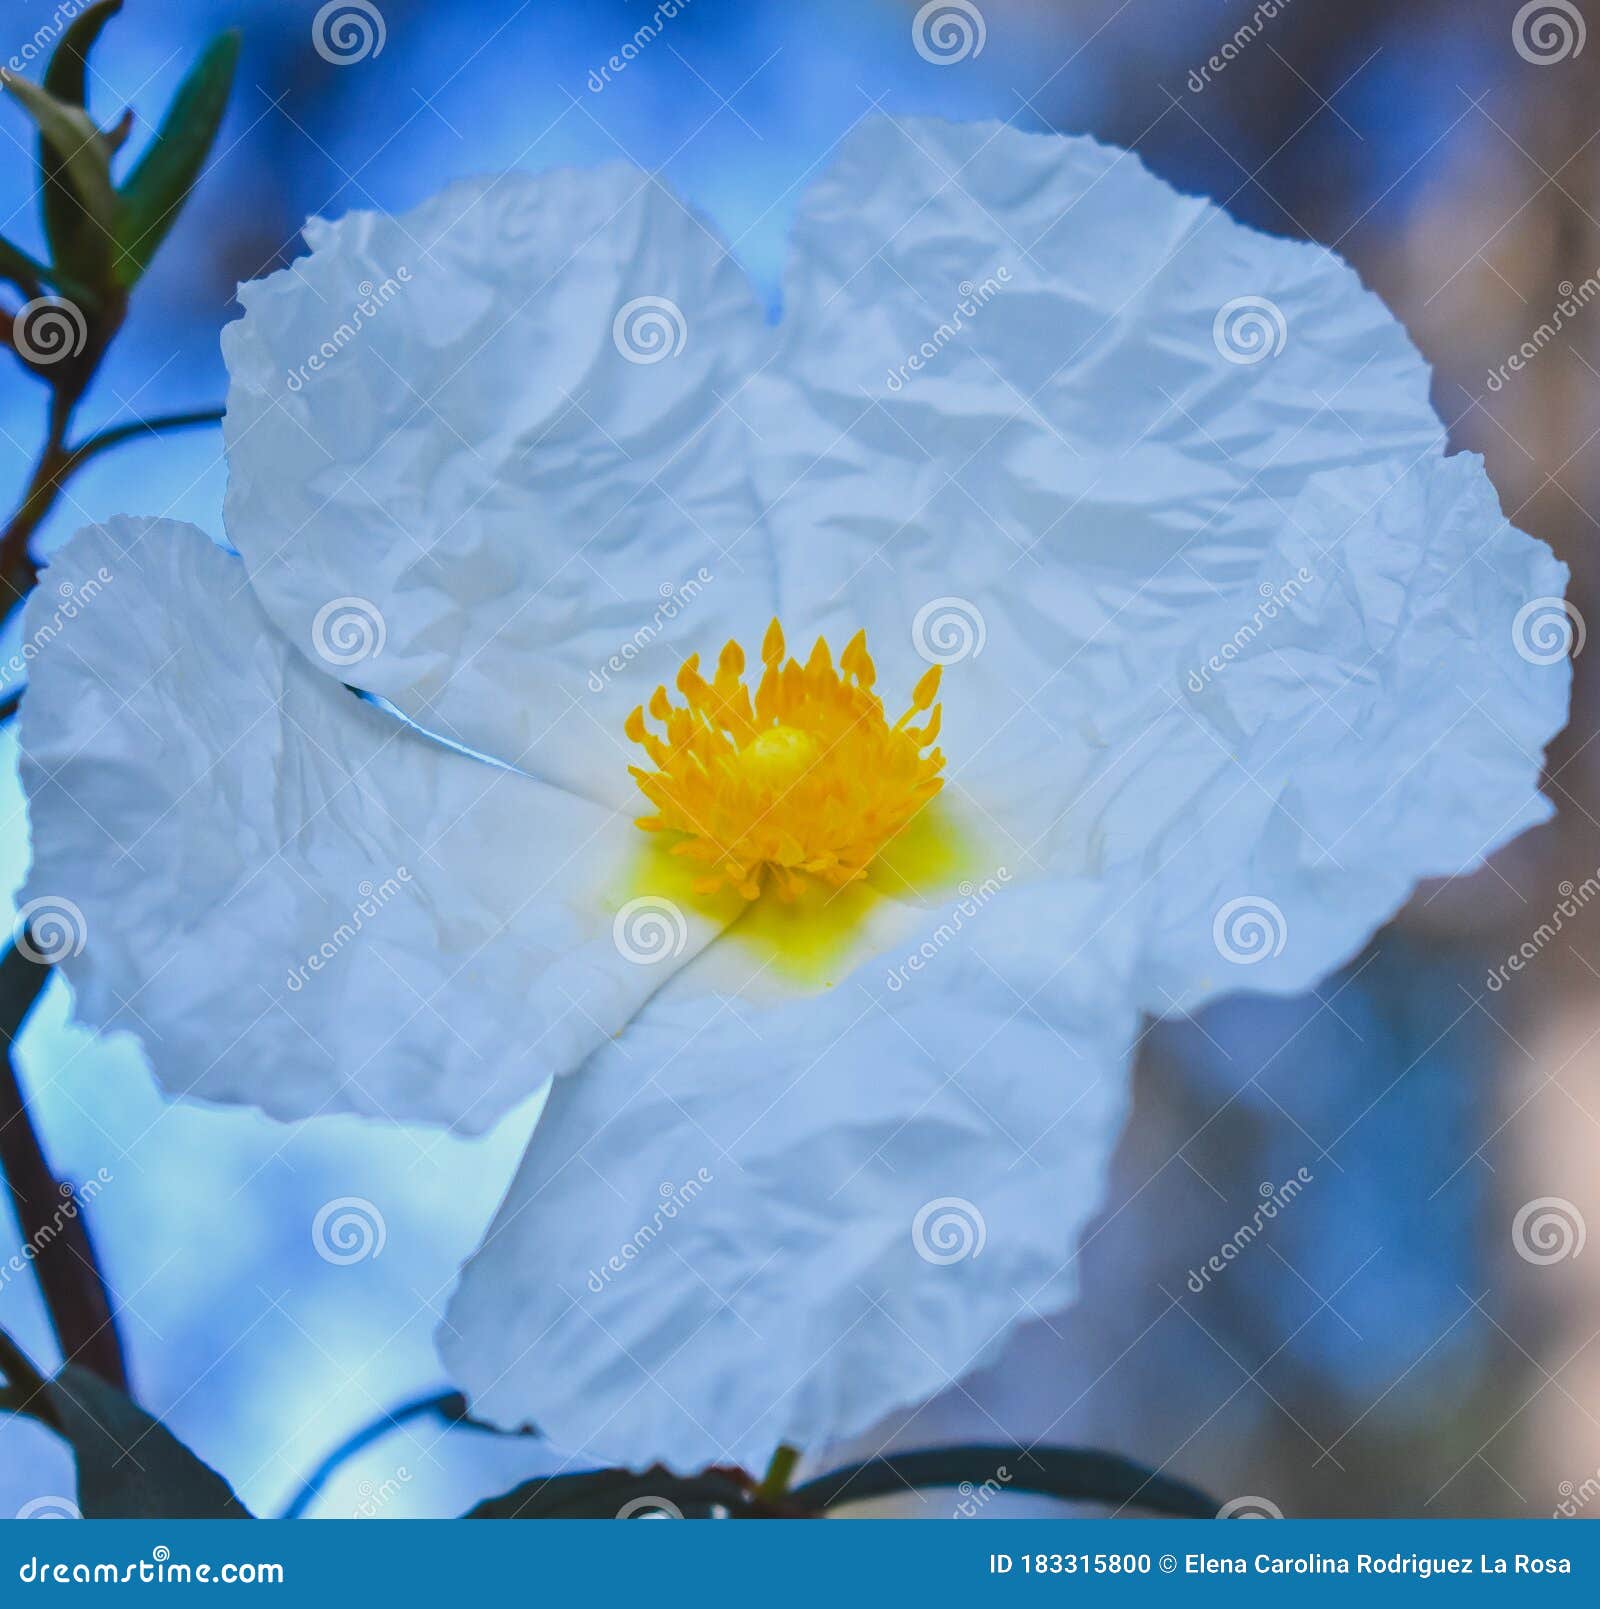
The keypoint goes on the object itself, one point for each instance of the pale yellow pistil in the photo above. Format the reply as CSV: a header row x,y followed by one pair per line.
x,y
805,779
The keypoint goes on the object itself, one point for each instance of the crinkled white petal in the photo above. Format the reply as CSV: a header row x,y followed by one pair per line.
x,y
1030,412
293,899
1049,420
500,439
735,1228
1377,717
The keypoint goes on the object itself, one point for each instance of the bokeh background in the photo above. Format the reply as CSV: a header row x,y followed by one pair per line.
x,y
1383,1348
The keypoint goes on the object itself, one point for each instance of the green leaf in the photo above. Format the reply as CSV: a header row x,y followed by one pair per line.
x,y
612,1494
80,244
75,164
130,1466
66,77
1076,1474
156,190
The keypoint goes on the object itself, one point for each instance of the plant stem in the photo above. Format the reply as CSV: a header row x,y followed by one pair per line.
x,y
447,1405
56,464
48,1211
774,1485
18,572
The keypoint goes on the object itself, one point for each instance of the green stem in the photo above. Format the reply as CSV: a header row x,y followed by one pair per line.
x,y
775,1483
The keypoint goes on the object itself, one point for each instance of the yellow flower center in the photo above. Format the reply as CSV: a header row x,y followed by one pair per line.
x,y
806,779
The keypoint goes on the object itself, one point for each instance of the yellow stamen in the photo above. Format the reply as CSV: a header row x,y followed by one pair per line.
x,y
804,779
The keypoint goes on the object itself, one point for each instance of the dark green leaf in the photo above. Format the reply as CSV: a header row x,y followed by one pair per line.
x,y
156,190
130,1466
67,75
79,243
1075,1474
75,173
610,1494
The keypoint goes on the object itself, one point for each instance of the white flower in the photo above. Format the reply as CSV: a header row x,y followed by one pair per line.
x,y
1221,632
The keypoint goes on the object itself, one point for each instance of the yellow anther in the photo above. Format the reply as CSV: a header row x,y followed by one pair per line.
x,y
806,778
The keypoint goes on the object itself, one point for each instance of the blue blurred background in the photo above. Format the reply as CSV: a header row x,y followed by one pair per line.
x,y
1382,1349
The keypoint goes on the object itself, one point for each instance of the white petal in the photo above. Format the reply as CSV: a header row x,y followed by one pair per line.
x,y
782,1296
1377,718
522,452
293,899
1036,401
